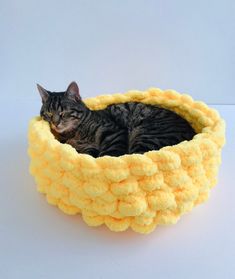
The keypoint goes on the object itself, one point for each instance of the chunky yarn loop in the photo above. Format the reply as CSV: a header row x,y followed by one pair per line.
x,y
139,191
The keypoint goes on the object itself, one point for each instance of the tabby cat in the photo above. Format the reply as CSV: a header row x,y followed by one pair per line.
x,y
119,129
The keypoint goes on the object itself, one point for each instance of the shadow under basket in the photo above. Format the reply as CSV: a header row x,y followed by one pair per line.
x,y
139,191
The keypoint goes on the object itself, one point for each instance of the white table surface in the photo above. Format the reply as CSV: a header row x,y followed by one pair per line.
x,y
37,240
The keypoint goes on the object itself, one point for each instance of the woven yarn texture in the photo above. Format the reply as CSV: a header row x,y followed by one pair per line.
x,y
139,191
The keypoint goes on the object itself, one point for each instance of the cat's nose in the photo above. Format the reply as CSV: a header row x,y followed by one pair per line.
x,y
56,120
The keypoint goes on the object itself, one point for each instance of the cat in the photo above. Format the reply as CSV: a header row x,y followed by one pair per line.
x,y
119,129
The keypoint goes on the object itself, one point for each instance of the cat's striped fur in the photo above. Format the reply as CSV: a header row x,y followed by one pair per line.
x,y
118,129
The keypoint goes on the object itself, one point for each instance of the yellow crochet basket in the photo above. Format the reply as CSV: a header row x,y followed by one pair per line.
x,y
139,191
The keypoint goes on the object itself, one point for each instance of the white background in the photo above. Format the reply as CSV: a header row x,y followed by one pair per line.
x,y
109,46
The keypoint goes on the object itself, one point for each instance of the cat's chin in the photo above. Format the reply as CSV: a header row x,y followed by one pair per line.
x,y
63,131
59,131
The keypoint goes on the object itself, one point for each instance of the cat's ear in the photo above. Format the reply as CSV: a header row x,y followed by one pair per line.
x,y
72,91
43,92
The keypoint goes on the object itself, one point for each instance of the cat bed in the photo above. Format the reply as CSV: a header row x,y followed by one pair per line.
x,y
139,191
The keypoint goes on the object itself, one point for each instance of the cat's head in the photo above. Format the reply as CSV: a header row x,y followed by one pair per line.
x,y
63,110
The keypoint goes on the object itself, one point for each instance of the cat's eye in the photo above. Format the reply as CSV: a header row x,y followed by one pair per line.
x,y
76,115
69,114
48,114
